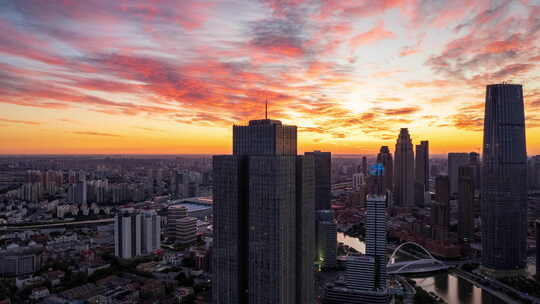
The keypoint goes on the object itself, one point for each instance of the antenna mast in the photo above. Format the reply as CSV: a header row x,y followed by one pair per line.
x,y
266,109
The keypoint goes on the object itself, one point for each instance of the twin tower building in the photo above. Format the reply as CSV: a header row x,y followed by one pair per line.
x,y
264,218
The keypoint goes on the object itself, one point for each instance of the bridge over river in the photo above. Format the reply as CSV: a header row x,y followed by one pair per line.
x,y
420,265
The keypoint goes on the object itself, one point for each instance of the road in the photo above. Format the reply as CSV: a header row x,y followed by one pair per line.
x,y
57,224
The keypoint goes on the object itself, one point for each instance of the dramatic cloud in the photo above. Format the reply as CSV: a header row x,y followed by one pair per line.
x,y
344,71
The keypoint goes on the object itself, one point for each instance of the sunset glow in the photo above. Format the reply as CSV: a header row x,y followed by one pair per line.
x,y
166,77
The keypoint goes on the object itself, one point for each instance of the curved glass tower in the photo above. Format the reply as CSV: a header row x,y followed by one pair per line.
x,y
504,181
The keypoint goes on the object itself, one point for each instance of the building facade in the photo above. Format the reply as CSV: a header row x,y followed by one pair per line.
x,y
326,239
456,160
421,172
466,187
440,209
323,166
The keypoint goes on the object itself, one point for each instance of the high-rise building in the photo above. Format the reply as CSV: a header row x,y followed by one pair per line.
x,y
136,233
174,214
504,181
440,209
465,203
404,170
421,172
77,193
150,232
256,225
323,165
456,160
307,181
385,158
127,228
376,236
326,239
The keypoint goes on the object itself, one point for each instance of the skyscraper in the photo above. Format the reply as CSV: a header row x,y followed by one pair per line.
x,y
456,160
440,209
150,232
404,170
385,158
465,203
306,185
256,222
127,227
504,181
323,165
376,236
421,171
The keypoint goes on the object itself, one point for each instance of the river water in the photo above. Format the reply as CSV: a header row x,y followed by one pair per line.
x,y
452,289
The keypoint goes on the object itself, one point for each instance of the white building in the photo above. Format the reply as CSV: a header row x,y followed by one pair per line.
x,y
151,231
136,233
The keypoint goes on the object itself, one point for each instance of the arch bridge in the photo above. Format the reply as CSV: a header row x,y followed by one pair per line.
x,y
419,265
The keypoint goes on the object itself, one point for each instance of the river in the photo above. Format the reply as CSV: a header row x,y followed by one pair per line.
x,y
452,289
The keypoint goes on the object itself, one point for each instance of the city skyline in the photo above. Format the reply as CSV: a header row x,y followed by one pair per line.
x,y
134,78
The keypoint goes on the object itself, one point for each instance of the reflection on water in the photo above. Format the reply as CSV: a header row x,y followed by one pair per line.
x,y
455,290
452,289
351,242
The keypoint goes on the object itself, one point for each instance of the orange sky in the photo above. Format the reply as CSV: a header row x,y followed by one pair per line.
x,y
171,77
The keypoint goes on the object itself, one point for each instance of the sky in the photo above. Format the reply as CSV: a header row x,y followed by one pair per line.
x,y
167,77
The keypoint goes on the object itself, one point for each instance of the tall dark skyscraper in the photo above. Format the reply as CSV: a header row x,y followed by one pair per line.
x,y
504,181
385,158
466,188
404,170
263,218
421,171
323,167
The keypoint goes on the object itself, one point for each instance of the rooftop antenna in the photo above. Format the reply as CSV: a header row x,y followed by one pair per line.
x,y
266,109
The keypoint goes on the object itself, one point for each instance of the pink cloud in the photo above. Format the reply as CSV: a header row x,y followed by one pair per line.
x,y
377,33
